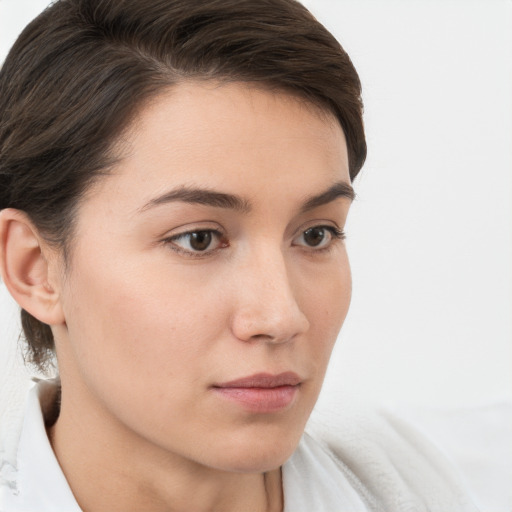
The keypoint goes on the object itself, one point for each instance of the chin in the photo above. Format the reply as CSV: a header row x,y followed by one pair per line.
x,y
256,453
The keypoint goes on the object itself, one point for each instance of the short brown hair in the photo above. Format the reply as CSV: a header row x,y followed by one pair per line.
x,y
77,74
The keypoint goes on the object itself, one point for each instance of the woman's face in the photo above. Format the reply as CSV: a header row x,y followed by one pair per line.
x,y
212,254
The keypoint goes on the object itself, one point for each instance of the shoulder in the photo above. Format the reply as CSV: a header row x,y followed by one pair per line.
x,y
477,441
394,461
314,477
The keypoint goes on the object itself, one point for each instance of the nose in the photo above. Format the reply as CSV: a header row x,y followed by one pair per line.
x,y
266,306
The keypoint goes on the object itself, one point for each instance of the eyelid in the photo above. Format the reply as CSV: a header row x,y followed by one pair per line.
x,y
336,235
191,227
171,239
330,225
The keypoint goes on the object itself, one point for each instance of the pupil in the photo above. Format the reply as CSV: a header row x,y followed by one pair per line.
x,y
200,240
314,236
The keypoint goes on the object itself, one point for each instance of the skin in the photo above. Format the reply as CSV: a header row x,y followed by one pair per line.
x,y
145,326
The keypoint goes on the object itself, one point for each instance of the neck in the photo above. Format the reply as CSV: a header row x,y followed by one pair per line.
x,y
111,468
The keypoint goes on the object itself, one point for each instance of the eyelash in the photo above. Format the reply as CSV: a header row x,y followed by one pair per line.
x,y
336,234
171,243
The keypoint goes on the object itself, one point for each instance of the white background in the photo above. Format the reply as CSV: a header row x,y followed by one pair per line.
x,y
430,236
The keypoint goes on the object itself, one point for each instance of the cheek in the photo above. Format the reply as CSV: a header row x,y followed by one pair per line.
x,y
143,346
326,293
138,321
325,299
340,294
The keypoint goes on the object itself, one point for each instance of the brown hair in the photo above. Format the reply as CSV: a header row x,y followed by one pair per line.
x,y
77,74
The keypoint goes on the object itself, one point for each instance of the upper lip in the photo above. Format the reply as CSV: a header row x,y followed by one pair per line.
x,y
263,380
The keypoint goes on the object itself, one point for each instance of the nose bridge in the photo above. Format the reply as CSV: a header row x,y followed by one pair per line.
x,y
266,305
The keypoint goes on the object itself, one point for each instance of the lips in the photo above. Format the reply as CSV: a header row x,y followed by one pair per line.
x,y
263,380
261,393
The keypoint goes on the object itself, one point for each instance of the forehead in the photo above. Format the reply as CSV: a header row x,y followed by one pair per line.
x,y
234,137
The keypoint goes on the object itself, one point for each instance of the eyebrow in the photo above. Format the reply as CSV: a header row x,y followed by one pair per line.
x,y
339,189
216,199
201,196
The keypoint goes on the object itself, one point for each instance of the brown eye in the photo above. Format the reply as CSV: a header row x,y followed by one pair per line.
x,y
319,237
203,241
314,236
200,240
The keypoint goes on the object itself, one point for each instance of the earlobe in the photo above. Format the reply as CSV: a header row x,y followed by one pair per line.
x,y
24,267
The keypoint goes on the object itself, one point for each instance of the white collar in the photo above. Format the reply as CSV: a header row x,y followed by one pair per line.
x,y
39,484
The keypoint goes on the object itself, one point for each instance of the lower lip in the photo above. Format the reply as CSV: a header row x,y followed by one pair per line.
x,y
261,400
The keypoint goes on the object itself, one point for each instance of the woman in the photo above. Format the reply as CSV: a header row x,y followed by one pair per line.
x,y
175,180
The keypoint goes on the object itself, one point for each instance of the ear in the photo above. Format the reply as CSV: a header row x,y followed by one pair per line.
x,y
25,270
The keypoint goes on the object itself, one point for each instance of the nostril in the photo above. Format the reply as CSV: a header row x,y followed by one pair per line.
x,y
265,338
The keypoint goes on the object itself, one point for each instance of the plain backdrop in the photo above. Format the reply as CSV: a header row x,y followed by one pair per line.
x,y
430,235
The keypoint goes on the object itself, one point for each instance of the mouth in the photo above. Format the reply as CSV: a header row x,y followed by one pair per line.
x,y
261,393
